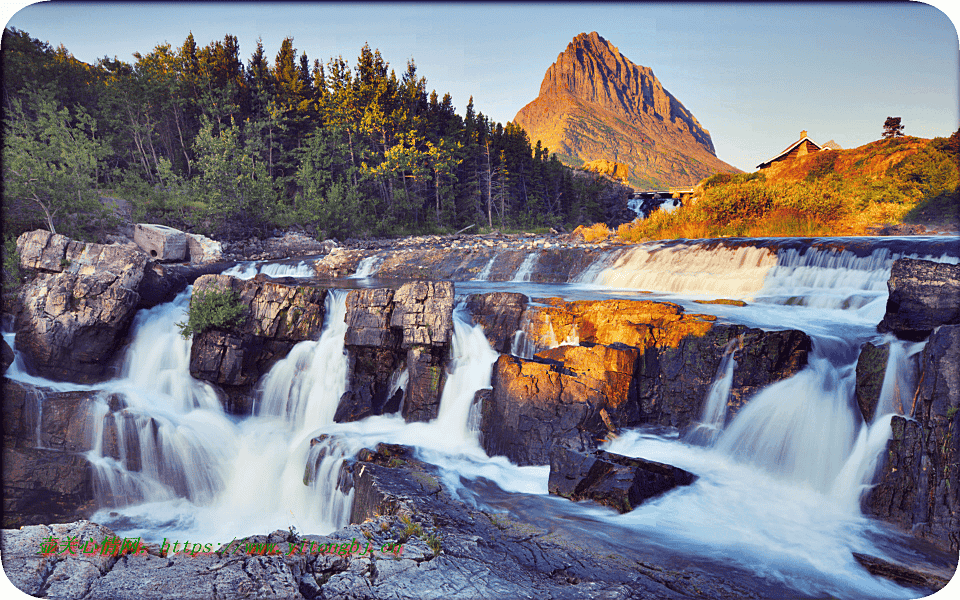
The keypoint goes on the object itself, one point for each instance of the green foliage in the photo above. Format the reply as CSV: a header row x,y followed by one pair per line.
x,y
410,529
213,308
435,543
50,161
197,140
11,264
231,183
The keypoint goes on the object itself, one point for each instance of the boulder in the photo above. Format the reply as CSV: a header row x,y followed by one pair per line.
x,y
278,316
638,323
571,396
499,314
617,481
423,311
917,484
162,243
923,295
72,318
392,332
203,250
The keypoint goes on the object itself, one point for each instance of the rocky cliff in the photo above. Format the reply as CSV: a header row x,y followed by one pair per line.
x,y
595,104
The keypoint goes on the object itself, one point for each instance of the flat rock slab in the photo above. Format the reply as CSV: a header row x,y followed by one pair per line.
x,y
613,480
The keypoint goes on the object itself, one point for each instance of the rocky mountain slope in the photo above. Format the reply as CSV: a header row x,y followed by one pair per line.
x,y
594,103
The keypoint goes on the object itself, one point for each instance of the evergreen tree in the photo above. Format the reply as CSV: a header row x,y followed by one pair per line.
x,y
892,128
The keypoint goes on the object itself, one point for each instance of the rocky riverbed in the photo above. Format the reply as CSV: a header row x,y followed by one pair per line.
x,y
571,376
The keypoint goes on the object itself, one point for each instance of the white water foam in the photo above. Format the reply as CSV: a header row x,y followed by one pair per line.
x,y
526,267
367,267
691,269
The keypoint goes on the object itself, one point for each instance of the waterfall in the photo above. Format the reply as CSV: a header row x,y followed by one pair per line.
x,y
305,387
896,396
172,437
301,270
471,364
526,267
714,414
243,270
522,344
691,269
800,429
367,267
484,274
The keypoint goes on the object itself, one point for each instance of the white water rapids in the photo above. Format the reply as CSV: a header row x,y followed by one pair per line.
x,y
779,484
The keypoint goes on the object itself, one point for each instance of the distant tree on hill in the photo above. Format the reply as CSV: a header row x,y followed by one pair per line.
x,y
892,128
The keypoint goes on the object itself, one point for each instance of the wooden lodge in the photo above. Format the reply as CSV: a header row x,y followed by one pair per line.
x,y
801,147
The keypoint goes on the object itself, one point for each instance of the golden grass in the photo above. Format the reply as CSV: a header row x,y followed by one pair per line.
x,y
595,232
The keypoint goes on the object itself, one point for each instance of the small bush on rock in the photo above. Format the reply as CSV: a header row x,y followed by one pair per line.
x,y
213,308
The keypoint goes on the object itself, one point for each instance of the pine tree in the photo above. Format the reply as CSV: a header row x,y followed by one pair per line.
x,y
892,128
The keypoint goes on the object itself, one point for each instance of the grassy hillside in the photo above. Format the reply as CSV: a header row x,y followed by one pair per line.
x,y
834,192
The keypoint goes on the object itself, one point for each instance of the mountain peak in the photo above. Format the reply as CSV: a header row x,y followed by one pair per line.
x,y
592,91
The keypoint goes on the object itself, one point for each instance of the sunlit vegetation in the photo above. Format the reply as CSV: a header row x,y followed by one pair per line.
x,y
196,138
846,192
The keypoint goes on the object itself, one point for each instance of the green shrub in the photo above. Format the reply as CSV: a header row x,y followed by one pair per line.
x,y
716,179
11,264
822,165
213,308
435,543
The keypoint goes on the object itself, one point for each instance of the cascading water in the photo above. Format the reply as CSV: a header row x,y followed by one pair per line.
x,y
778,491
526,267
800,429
484,273
367,267
683,269
189,469
305,387
714,415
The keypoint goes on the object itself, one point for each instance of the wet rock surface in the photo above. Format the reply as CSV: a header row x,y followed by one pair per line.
x,y
917,485
923,295
72,317
637,362
613,480
499,313
46,476
395,336
871,367
278,316
537,405
673,381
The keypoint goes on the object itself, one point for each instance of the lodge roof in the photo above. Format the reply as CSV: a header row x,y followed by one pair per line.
x,y
803,138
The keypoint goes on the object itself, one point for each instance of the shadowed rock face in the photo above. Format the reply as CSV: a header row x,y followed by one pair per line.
x,y
918,483
278,317
73,316
617,481
923,295
595,104
390,331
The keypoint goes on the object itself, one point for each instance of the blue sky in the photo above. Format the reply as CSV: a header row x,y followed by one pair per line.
x,y
753,74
